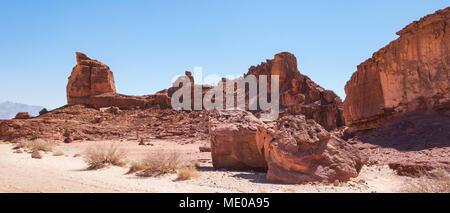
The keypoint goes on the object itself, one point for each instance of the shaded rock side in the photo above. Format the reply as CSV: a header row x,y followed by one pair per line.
x,y
409,74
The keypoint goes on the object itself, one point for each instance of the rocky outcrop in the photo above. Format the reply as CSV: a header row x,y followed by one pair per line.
x,y
410,74
82,123
299,94
298,150
92,83
23,115
233,140
88,78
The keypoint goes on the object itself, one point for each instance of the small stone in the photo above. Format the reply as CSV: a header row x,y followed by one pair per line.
x,y
141,142
336,183
37,154
68,139
19,150
204,149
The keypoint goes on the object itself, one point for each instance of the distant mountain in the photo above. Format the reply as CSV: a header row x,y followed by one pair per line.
x,y
9,110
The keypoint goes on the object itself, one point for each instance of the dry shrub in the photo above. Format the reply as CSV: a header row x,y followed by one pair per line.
x,y
438,182
35,145
187,173
102,155
58,153
290,190
136,166
159,164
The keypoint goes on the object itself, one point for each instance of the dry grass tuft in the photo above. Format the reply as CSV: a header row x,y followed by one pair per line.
x,y
439,182
290,190
187,173
100,156
136,166
35,145
58,153
159,164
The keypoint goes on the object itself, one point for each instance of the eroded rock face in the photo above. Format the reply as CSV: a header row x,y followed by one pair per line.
x,y
298,150
233,140
88,78
299,94
92,83
409,74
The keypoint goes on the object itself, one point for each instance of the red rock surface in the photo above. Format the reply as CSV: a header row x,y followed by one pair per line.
x,y
299,94
82,123
300,150
23,115
92,83
88,78
413,144
409,74
292,150
233,140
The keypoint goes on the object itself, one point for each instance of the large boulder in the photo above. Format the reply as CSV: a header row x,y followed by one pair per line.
x,y
88,78
233,140
298,150
292,150
409,74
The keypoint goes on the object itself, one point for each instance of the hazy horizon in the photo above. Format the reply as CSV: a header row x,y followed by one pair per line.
x,y
147,43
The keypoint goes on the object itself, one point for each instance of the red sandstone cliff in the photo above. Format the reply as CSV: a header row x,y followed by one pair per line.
x,y
409,74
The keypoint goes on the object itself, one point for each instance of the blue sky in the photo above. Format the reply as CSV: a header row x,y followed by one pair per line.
x,y
147,43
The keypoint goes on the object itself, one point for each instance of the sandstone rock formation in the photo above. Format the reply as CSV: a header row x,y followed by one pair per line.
x,y
88,78
233,140
292,150
92,83
299,94
300,150
409,74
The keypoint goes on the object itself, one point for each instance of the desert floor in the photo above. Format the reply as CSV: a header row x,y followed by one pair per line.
x,y
21,173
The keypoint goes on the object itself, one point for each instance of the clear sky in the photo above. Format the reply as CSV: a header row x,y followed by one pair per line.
x,y
146,43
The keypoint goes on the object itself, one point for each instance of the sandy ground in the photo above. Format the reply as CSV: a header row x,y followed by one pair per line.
x,y
21,173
